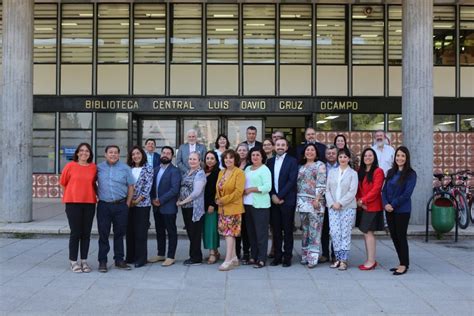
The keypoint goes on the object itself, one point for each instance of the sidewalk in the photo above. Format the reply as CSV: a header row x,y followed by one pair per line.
x,y
49,218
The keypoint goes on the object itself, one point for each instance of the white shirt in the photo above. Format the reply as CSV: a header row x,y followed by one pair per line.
x,y
340,174
250,145
192,148
276,170
136,172
385,157
248,199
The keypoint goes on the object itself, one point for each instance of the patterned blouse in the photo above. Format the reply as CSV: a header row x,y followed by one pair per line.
x,y
143,186
311,182
193,185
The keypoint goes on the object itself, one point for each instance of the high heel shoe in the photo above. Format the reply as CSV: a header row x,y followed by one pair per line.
x,y
226,266
364,268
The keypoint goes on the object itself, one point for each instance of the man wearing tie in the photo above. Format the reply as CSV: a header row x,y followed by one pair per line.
x,y
284,169
185,149
153,158
164,195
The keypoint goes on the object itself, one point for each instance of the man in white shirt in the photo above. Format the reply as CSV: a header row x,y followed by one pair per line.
x,y
185,149
385,153
251,135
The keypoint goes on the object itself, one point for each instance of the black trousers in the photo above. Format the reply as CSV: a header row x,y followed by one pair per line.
x,y
398,226
325,237
257,230
242,243
165,224
137,234
80,217
109,214
194,230
282,221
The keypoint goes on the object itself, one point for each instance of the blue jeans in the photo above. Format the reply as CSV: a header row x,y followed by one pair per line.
x,y
108,214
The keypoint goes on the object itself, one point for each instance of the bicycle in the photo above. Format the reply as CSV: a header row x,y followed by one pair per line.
x,y
462,181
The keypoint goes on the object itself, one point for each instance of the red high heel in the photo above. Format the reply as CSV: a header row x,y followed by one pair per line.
x,y
364,268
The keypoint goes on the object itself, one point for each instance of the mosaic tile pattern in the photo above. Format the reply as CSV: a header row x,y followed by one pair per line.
x,y
452,152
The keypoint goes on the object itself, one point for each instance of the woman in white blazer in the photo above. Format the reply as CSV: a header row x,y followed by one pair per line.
x,y
340,198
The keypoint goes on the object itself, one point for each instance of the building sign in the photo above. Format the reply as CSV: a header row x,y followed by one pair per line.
x,y
242,105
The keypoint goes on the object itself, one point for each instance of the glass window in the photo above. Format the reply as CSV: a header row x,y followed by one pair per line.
x,y
112,129
186,33
44,138
77,33
332,122
222,33
367,35
75,129
467,123
150,33
444,51
331,34
207,131
259,33
394,122
367,122
113,32
112,120
466,36
162,131
295,34
45,33
395,35
444,123
237,130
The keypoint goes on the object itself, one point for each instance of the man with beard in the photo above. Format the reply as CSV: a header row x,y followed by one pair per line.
x,y
385,153
164,195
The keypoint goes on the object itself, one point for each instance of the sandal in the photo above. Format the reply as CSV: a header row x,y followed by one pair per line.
x,y
76,267
259,265
342,266
212,259
86,268
336,264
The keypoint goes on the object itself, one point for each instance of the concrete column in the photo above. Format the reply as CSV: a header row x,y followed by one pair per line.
x,y
417,98
17,111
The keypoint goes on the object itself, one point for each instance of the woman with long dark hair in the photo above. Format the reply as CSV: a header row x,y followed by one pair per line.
x,y
396,197
139,212
340,142
222,144
369,200
211,234
78,182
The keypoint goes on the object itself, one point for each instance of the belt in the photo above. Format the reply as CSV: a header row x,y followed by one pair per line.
x,y
115,202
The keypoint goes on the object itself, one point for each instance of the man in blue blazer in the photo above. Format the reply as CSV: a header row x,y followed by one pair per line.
x,y
153,158
284,169
185,149
164,195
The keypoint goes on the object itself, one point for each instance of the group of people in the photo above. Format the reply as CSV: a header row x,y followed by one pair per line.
x,y
240,194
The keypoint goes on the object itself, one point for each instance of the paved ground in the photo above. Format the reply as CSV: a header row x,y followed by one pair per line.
x,y
35,279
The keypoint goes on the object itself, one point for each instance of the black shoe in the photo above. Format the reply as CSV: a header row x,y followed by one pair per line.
x,y
393,269
122,265
103,267
191,262
259,264
400,273
139,265
286,263
275,262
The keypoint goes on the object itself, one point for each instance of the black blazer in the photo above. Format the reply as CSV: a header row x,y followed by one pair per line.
x,y
286,180
257,144
210,191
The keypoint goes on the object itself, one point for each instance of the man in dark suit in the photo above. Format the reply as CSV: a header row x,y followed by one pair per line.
x,y
251,136
284,169
185,149
153,158
310,136
164,195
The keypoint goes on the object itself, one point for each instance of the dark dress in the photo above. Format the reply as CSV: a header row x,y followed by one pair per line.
x,y
211,235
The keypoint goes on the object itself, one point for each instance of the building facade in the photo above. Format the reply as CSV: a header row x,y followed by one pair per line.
x,y
121,72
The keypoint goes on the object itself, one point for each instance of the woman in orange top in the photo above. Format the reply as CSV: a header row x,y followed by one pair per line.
x,y
369,198
78,183
229,198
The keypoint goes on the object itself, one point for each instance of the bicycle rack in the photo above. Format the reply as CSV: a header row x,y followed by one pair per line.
x,y
456,217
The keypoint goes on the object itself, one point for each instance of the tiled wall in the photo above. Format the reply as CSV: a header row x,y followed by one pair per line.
x,y
452,152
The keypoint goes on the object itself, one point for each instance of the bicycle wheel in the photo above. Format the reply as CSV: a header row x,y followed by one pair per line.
x,y
471,203
463,216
